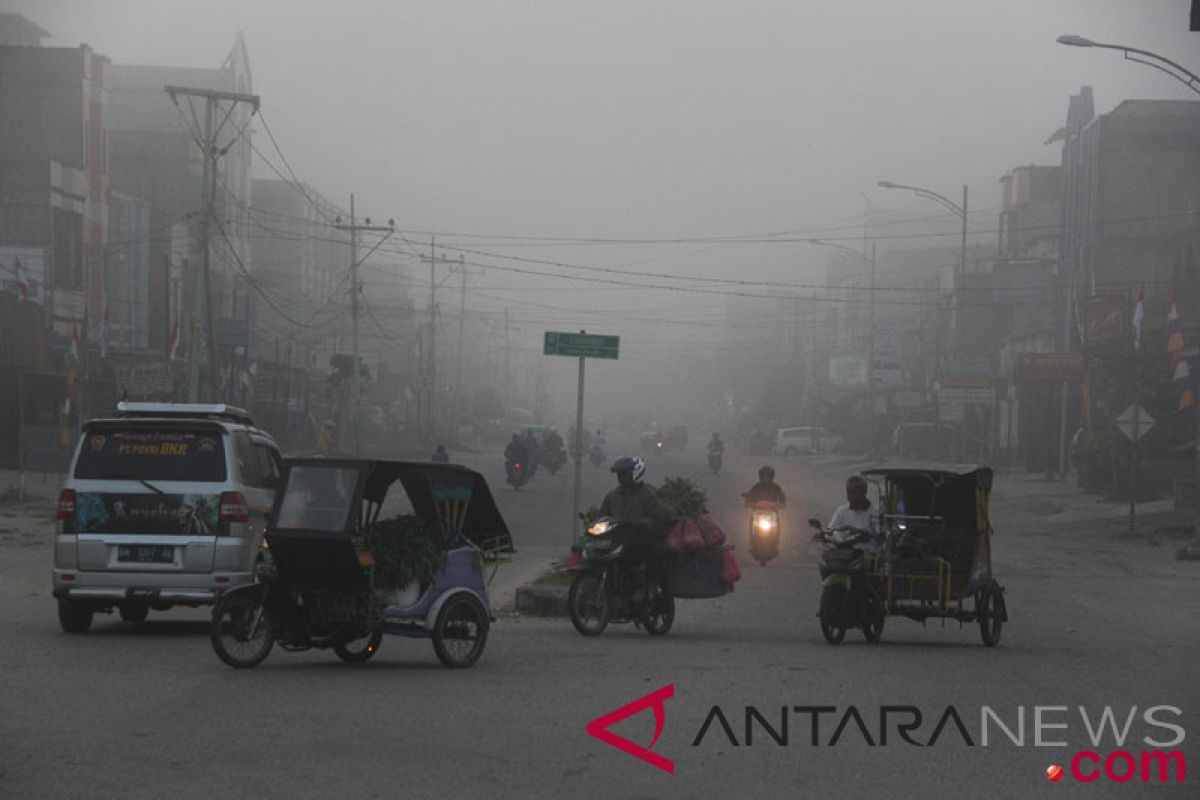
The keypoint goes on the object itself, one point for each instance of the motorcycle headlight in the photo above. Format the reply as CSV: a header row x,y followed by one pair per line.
x,y
764,523
601,527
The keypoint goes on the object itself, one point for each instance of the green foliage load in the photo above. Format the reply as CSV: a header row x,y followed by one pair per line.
x,y
683,498
406,550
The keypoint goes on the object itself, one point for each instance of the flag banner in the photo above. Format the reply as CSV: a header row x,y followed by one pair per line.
x,y
1139,314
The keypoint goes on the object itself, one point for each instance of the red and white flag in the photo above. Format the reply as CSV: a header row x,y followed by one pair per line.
x,y
22,281
173,345
104,330
74,351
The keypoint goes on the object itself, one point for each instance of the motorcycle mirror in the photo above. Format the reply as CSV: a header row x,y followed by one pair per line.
x,y
814,523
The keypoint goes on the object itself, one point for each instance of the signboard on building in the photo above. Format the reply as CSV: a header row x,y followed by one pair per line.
x,y
968,372
887,365
1103,319
847,370
23,272
908,398
145,380
1049,367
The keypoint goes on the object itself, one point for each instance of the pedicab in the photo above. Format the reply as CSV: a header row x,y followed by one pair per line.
x,y
931,556
356,549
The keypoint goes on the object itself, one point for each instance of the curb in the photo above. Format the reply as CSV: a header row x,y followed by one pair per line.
x,y
1189,553
542,601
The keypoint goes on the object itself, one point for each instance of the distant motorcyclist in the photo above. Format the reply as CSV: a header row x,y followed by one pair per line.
x,y
635,504
440,456
715,445
552,441
766,490
516,453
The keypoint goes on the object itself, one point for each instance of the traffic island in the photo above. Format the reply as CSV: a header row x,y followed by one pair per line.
x,y
546,596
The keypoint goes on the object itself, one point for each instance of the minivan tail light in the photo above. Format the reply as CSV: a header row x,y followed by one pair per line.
x,y
66,506
233,509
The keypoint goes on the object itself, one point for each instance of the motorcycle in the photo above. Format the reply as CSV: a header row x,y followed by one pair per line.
x,y
848,600
607,587
597,455
518,473
714,461
553,460
764,532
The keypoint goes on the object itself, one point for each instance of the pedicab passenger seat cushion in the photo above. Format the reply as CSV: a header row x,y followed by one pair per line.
x,y
696,575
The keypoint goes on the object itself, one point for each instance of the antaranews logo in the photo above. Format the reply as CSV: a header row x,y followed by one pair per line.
x,y
1110,759
656,700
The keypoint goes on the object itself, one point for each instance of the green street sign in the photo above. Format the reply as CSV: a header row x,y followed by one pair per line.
x,y
580,345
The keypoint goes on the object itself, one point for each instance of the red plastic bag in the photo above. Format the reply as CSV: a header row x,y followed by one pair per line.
x,y
711,531
730,571
685,537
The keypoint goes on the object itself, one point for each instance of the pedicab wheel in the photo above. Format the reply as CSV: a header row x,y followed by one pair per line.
x,y
132,611
74,616
242,632
991,611
872,626
360,650
587,604
832,599
659,622
460,632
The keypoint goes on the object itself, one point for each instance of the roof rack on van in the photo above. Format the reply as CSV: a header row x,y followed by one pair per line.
x,y
206,410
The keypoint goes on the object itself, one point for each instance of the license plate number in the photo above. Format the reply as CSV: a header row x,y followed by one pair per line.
x,y
146,553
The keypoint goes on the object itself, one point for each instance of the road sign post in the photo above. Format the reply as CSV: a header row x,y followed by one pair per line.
x,y
582,346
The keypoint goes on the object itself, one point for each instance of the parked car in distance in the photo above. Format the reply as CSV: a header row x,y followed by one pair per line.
x,y
164,504
807,439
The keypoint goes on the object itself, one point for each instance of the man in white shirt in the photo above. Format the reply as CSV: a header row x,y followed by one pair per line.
x,y
857,512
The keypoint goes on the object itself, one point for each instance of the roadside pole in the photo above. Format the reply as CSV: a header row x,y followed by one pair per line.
x,y
578,450
582,346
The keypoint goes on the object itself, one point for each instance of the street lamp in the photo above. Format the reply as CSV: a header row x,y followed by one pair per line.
x,y
1160,63
871,333
944,201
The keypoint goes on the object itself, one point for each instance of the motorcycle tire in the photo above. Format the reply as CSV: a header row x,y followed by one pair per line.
x,y
991,611
659,622
873,618
833,598
587,604
237,646
359,651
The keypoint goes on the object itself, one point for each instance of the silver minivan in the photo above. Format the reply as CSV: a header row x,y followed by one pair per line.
x,y
165,504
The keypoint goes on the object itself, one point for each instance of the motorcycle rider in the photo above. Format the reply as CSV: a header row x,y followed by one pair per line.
x,y
716,446
636,504
766,490
857,512
440,456
515,453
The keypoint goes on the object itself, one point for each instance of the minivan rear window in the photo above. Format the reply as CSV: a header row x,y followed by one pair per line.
x,y
153,453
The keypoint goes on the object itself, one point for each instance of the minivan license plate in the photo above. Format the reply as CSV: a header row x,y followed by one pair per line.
x,y
146,553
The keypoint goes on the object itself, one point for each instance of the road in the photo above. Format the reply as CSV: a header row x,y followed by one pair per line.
x,y
148,711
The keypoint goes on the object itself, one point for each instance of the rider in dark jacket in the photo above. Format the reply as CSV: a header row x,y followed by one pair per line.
x,y
635,503
515,453
766,490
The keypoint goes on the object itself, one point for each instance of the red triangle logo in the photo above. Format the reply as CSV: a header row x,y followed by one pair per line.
x,y
599,727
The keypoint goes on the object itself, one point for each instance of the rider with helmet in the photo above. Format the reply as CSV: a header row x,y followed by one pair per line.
x,y
635,504
766,490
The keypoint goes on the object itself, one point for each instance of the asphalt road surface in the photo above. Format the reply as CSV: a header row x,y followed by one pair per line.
x,y
148,710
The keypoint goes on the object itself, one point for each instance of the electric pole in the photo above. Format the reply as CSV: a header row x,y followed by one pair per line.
x,y
458,358
355,291
203,295
430,378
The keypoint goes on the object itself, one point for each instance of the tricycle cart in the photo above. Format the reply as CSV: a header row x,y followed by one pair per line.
x,y
356,549
931,556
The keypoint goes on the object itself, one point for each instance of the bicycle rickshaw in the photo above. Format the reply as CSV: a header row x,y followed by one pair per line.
x,y
355,549
932,556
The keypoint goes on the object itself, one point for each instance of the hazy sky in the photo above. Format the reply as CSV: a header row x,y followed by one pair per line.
x,y
651,119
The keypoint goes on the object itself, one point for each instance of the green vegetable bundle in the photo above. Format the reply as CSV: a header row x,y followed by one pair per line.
x,y
406,549
683,498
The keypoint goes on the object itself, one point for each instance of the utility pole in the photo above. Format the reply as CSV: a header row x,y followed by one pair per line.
x,y
203,294
355,291
458,358
871,360
433,260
